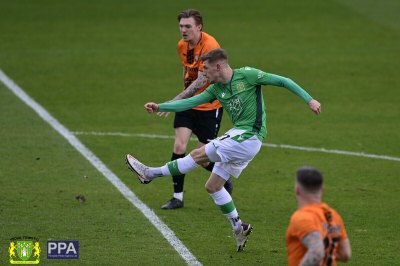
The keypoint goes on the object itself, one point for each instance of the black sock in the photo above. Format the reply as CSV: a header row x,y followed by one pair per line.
x,y
178,180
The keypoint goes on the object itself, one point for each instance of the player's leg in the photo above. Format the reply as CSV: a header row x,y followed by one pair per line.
x,y
215,187
177,167
232,152
182,137
183,124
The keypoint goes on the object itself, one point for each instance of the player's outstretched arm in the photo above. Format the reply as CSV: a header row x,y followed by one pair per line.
x,y
151,107
289,84
180,105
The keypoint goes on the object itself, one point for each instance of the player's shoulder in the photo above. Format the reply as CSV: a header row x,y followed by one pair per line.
x,y
302,222
207,37
181,44
336,217
249,69
209,42
327,209
251,73
302,214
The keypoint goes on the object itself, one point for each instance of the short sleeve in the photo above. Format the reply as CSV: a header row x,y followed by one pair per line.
x,y
303,224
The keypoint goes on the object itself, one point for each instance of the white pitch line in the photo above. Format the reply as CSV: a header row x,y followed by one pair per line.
x,y
348,153
169,235
271,145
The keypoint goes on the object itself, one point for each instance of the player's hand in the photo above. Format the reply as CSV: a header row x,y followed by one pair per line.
x,y
151,107
161,114
315,106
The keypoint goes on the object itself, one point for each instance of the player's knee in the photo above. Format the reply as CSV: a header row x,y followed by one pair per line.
x,y
212,188
180,147
199,156
209,188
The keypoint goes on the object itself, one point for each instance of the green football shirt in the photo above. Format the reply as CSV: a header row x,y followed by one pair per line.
x,y
241,98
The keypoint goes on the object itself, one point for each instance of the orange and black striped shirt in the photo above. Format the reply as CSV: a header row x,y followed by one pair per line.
x,y
192,64
315,217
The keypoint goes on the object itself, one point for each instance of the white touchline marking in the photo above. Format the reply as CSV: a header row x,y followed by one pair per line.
x,y
169,235
283,146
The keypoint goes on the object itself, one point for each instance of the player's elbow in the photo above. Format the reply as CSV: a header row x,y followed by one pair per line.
x,y
346,258
287,82
344,252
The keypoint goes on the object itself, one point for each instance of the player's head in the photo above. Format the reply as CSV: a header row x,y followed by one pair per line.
x,y
308,181
214,63
190,24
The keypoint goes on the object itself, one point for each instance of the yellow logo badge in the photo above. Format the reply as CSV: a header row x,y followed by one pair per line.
x,y
24,250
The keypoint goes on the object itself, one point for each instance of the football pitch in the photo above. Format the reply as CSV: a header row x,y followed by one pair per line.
x,y
88,67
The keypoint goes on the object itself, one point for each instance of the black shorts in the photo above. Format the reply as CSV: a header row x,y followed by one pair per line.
x,y
204,124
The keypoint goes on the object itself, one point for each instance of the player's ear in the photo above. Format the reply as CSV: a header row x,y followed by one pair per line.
x,y
297,189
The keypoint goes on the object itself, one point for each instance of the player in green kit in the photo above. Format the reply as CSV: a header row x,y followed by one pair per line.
x,y
239,92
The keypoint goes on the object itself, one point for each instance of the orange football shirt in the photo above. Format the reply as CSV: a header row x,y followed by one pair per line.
x,y
192,63
315,217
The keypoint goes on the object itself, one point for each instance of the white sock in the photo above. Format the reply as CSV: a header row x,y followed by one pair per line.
x,y
179,196
176,167
165,171
179,166
225,203
154,172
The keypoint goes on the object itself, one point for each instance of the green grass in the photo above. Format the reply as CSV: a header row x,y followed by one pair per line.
x,y
93,64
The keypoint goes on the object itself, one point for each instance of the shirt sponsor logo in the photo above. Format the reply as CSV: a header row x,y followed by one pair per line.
x,y
235,107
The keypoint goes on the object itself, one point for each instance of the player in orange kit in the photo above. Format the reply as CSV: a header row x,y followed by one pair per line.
x,y
203,120
316,234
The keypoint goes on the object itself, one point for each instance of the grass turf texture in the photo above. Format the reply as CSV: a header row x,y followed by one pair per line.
x,y
94,64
